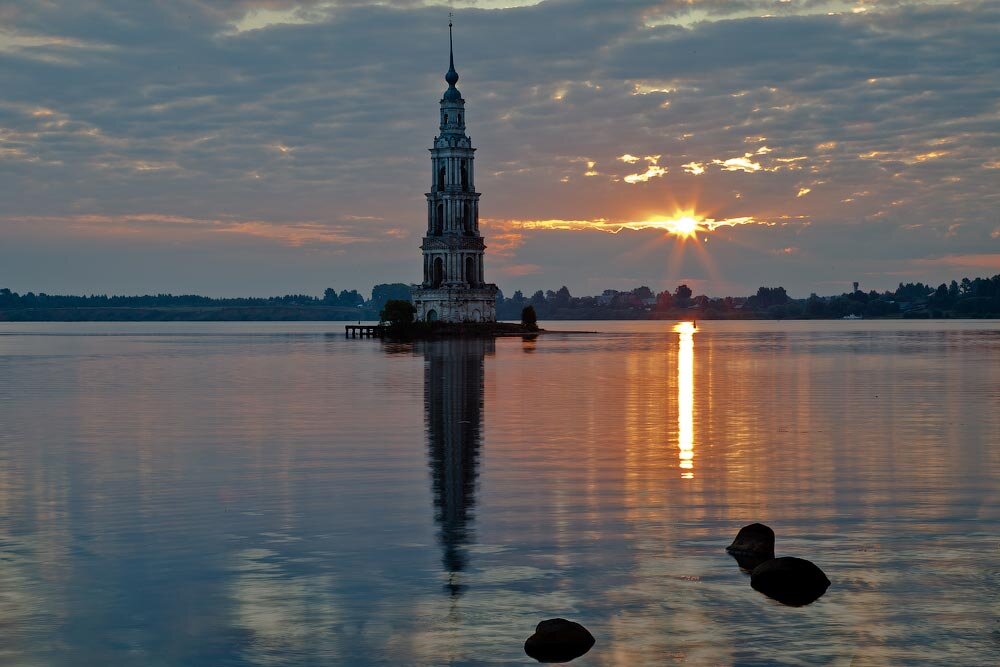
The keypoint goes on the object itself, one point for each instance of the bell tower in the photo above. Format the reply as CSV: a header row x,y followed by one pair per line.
x,y
454,287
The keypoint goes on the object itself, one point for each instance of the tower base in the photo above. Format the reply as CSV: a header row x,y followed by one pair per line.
x,y
455,304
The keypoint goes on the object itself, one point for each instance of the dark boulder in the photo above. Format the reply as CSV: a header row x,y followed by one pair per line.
x,y
558,640
754,544
792,581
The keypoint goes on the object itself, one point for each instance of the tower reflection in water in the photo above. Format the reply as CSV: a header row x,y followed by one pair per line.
x,y
685,397
454,378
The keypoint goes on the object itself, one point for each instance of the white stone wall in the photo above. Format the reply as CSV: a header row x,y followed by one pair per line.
x,y
456,305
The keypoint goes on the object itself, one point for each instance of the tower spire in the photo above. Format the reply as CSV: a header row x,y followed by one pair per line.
x,y
452,76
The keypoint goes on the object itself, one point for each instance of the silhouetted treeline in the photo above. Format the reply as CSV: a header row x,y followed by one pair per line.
x,y
978,297
333,305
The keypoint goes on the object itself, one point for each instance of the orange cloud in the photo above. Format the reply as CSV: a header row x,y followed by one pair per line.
x,y
515,270
293,233
972,260
682,224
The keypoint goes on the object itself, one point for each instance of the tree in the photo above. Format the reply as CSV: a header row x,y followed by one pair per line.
x,y
528,317
682,294
330,297
642,293
563,297
664,300
351,299
815,306
941,295
398,313
776,296
538,298
385,292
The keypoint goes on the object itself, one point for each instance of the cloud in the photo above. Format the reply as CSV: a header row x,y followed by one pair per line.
x,y
739,164
290,233
974,261
694,168
670,225
653,171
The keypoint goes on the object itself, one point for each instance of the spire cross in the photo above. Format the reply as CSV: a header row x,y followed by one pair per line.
x,y
452,76
451,48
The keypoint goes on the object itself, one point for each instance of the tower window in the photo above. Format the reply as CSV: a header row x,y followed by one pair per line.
x,y
438,272
441,175
465,176
446,119
459,119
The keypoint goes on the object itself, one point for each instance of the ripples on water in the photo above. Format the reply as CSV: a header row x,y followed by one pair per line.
x,y
255,494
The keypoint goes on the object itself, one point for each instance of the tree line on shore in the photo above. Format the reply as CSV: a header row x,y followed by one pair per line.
x,y
978,297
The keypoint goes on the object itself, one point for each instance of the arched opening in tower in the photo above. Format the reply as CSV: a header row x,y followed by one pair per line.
x,y
470,272
467,218
465,176
438,272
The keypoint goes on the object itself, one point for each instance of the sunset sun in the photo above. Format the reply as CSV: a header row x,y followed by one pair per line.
x,y
685,226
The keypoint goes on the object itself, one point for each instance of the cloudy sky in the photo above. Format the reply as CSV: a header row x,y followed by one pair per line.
x,y
257,147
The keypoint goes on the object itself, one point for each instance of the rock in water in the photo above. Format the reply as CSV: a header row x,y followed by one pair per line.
x,y
754,544
558,640
792,581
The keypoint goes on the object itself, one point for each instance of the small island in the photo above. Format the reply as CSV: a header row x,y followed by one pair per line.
x,y
397,320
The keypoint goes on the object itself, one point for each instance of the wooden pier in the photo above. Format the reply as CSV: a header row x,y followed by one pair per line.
x,y
364,331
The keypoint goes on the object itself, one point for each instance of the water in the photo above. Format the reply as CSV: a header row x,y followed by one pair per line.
x,y
273,494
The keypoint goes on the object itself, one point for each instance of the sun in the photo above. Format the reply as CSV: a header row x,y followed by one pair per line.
x,y
685,226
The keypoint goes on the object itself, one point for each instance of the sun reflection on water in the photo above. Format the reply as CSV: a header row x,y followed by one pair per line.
x,y
685,397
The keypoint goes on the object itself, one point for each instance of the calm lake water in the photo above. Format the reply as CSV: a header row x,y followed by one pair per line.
x,y
273,494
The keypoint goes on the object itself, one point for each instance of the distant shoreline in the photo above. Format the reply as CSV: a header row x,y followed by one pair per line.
x,y
187,314
339,314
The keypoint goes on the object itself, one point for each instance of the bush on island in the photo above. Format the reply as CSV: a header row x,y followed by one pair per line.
x,y
398,313
528,318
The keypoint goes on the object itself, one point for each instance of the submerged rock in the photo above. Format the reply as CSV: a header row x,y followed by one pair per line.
x,y
792,581
558,640
754,544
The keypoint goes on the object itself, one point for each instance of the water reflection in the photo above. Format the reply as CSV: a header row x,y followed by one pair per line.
x,y
219,498
685,397
454,378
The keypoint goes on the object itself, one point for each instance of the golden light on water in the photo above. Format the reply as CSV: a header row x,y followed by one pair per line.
x,y
685,397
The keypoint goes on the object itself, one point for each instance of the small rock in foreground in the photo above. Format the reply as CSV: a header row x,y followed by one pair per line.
x,y
792,581
754,544
558,640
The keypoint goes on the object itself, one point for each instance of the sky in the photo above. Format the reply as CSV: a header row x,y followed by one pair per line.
x,y
261,147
